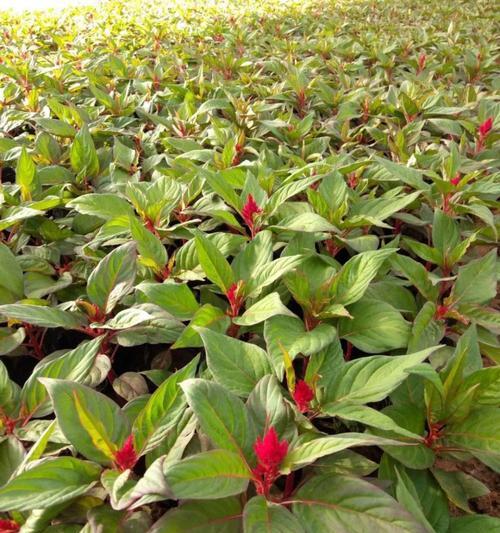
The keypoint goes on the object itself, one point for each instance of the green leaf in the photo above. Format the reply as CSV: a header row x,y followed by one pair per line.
x,y
11,456
12,278
459,487
222,416
105,206
49,483
349,504
235,364
207,316
271,272
153,253
113,277
83,155
91,421
478,434
217,516
303,454
25,174
306,222
176,298
74,365
476,281
370,417
260,515
445,233
370,379
162,411
375,327
267,307
214,264
267,407
39,315
209,475
290,333
476,522
353,279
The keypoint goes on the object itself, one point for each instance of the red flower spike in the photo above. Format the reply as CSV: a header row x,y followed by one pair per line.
x,y
270,453
422,58
456,180
8,526
270,450
303,395
249,211
235,299
441,311
485,127
126,457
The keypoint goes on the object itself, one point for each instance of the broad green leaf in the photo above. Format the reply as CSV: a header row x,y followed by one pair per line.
x,y
162,411
48,483
83,155
306,453
214,264
217,516
91,421
475,522
176,298
235,364
153,253
25,175
113,277
371,379
222,416
11,456
270,273
261,515
476,281
207,316
102,205
354,277
39,315
289,333
478,434
209,475
12,278
266,307
74,365
375,327
350,504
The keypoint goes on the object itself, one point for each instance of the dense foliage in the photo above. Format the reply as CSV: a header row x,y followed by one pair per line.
x,y
248,268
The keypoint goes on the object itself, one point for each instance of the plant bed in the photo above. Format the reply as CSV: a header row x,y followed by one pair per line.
x,y
248,268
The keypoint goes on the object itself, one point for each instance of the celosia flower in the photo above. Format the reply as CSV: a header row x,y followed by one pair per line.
x,y
8,526
249,212
483,130
270,452
422,58
235,299
485,127
456,180
126,456
303,394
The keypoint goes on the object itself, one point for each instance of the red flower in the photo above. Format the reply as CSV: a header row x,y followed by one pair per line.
x,y
303,394
421,62
126,456
485,127
441,311
8,526
269,450
249,211
235,299
270,453
456,180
